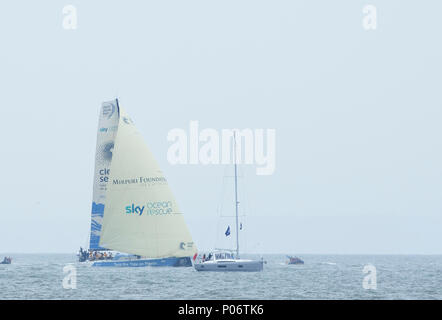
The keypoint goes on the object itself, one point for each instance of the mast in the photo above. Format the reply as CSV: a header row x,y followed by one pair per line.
x,y
236,195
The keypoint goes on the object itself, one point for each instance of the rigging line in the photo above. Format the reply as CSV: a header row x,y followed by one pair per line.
x,y
245,207
220,208
236,196
88,240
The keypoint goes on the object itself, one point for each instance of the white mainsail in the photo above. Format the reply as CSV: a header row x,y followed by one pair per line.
x,y
141,215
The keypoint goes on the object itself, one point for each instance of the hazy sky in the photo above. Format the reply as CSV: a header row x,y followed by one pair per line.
x,y
357,116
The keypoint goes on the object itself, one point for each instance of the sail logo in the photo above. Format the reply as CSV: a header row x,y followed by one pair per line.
x,y
104,175
108,109
135,209
127,120
106,150
150,208
110,129
209,146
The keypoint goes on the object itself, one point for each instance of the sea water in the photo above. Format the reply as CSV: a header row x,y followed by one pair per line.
x,y
41,276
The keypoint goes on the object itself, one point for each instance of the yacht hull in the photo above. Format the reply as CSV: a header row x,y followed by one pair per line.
x,y
164,262
234,266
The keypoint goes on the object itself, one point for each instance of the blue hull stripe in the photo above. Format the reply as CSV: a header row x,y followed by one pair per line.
x,y
165,262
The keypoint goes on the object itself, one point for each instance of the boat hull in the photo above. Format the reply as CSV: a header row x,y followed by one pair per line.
x,y
234,266
164,262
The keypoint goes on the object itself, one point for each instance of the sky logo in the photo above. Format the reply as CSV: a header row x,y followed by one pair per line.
x,y
135,209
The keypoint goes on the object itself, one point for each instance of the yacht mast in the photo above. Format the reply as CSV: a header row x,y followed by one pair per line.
x,y
236,195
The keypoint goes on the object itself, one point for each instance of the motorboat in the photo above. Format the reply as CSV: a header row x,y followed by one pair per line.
x,y
294,260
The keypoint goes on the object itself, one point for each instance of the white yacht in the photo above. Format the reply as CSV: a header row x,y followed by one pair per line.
x,y
223,260
228,260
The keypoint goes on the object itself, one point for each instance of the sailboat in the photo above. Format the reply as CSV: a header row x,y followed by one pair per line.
x,y
229,260
6,260
135,220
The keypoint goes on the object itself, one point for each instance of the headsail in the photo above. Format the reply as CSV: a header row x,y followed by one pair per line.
x,y
141,215
107,128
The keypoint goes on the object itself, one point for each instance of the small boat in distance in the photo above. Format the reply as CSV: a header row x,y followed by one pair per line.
x,y
294,260
6,260
135,220
227,260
